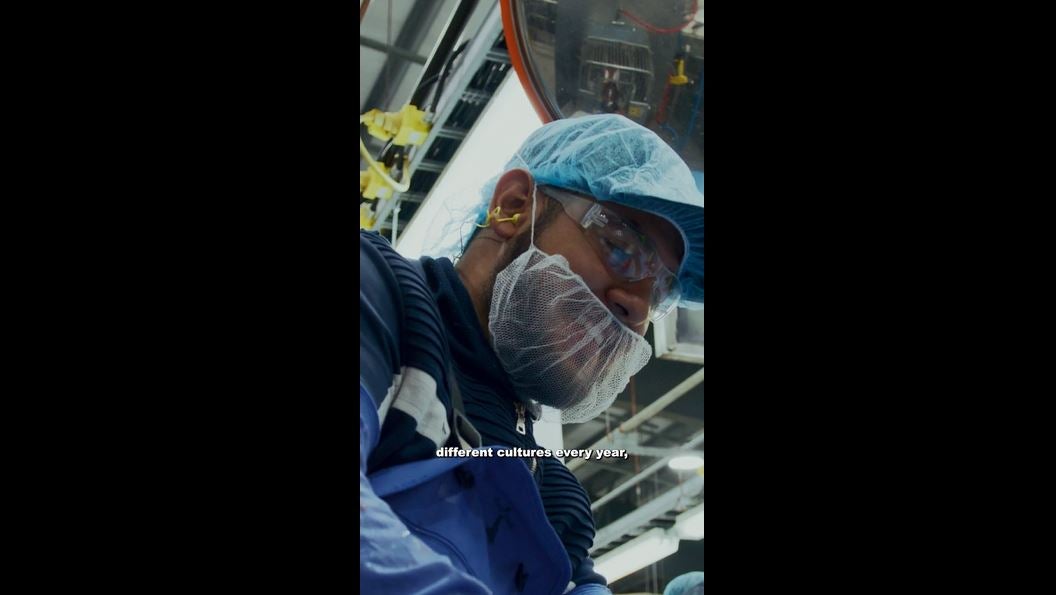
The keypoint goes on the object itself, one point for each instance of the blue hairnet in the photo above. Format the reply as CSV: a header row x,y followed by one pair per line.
x,y
614,159
690,583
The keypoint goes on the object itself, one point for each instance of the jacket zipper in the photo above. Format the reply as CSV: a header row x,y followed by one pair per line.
x,y
520,418
521,409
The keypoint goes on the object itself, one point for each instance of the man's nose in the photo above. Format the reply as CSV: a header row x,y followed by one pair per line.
x,y
630,304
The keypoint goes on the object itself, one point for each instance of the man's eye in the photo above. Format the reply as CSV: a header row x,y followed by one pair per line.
x,y
619,255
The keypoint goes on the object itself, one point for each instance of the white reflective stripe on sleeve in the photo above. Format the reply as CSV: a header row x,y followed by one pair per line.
x,y
387,401
417,397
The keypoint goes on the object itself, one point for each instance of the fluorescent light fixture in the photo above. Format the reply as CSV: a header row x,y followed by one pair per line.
x,y
504,125
690,524
679,336
686,462
649,547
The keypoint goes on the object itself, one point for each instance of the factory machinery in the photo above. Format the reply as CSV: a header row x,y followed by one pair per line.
x,y
640,58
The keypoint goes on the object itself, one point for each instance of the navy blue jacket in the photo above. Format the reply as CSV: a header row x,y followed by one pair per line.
x,y
417,327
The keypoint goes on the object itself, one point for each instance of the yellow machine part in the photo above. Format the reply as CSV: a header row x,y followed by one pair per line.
x,y
366,216
405,127
372,185
680,78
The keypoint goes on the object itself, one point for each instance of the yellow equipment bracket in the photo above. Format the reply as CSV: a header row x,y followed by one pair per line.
x,y
372,185
405,127
366,217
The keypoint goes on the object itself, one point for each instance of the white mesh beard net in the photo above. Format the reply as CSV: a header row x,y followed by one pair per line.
x,y
560,345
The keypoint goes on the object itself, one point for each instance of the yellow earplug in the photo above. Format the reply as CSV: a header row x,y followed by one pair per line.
x,y
487,220
495,216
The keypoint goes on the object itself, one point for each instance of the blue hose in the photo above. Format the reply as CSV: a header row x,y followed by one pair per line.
x,y
674,135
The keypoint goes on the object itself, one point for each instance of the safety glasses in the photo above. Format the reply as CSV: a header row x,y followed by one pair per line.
x,y
627,252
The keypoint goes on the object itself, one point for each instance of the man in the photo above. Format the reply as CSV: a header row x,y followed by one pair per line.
x,y
595,226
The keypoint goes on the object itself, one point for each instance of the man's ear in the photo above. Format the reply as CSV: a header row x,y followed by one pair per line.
x,y
513,198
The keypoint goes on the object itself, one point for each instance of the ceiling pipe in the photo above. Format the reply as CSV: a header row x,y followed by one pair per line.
x,y
443,48
632,481
645,414
391,49
652,509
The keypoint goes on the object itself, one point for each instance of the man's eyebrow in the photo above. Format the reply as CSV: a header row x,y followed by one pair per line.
x,y
634,225
655,244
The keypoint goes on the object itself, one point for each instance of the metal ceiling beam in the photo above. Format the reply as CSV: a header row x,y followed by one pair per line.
x,y
658,429
658,405
652,509
618,412
414,28
694,423
645,414
623,487
391,49
618,469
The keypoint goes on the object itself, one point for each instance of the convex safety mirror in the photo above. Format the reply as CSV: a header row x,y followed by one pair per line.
x,y
643,59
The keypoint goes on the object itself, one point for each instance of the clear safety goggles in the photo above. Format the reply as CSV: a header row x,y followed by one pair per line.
x,y
627,252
